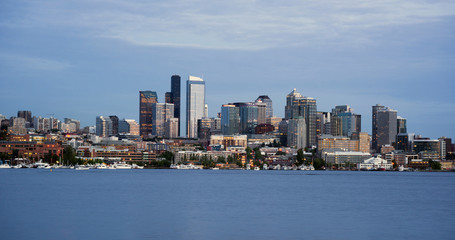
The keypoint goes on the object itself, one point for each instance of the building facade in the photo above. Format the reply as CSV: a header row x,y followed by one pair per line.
x,y
146,99
195,104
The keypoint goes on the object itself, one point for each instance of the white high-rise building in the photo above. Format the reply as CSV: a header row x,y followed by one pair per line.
x,y
195,104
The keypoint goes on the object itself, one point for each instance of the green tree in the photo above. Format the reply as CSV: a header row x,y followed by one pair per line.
x,y
248,154
318,163
4,136
257,154
300,157
167,155
221,159
435,165
69,156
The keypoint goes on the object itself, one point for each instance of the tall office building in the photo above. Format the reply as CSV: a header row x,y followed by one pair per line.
x,y
27,115
401,125
128,126
296,136
323,125
344,122
175,90
76,122
161,113
230,119
375,126
146,99
171,128
248,113
114,120
386,127
298,106
103,126
268,102
195,104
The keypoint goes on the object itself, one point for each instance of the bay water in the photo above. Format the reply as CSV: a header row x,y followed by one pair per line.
x,y
225,204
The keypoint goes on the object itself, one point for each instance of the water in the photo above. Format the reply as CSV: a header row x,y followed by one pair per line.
x,y
231,204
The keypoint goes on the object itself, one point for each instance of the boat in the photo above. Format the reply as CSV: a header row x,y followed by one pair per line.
x,y
5,165
101,166
81,167
256,169
401,168
135,166
17,166
122,165
215,168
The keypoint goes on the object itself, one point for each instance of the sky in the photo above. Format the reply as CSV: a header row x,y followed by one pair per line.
x,y
85,58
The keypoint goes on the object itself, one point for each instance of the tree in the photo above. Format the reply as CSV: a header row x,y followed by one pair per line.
x,y
318,163
435,165
257,154
4,133
69,156
167,155
248,154
300,157
221,159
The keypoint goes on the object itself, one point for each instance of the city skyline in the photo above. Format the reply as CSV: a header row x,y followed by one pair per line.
x,y
70,60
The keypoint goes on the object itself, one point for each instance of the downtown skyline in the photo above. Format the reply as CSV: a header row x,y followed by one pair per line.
x,y
69,60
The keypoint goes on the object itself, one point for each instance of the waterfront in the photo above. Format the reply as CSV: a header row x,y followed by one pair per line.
x,y
231,204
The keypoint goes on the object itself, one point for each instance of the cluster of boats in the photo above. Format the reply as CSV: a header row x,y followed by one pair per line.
x,y
285,167
119,165
186,166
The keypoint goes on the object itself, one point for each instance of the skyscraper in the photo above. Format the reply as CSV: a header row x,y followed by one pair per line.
x,y
401,125
175,90
27,115
298,106
103,126
162,112
230,119
297,136
387,127
146,99
195,104
374,126
114,120
344,122
268,102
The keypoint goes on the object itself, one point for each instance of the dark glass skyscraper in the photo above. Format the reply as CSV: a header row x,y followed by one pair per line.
x,y
146,100
175,95
374,126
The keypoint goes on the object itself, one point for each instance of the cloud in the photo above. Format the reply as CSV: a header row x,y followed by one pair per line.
x,y
247,25
20,62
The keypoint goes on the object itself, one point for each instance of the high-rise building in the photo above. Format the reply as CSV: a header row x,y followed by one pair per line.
x,y
404,142
401,125
171,127
114,120
297,136
195,104
298,106
323,125
375,126
128,126
103,126
161,113
230,119
76,122
344,122
386,123
146,99
248,113
268,102
27,115
175,94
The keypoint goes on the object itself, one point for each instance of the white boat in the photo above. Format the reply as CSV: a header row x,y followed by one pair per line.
x,y
5,165
215,168
17,166
256,169
81,167
265,167
122,165
101,166
135,166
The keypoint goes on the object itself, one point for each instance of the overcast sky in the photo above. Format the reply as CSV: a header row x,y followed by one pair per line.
x,y
81,59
